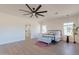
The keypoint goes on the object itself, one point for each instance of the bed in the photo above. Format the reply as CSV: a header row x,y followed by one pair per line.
x,y
51,35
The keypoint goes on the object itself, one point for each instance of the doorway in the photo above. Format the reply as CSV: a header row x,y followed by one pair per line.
x,y
27,31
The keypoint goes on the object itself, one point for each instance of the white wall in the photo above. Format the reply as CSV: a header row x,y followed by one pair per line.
x,y
35,29
12,28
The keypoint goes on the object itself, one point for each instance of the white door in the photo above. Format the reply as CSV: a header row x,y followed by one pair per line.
x,y
27,31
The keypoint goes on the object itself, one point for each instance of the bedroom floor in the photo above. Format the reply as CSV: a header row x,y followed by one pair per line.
x,y
29,48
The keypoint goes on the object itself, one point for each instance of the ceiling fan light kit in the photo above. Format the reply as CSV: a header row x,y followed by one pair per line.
x,y
33,11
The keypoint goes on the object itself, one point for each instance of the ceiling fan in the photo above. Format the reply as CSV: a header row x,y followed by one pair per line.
x,y
33,11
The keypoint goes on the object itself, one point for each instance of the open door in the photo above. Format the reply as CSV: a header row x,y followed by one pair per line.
x,y
27,32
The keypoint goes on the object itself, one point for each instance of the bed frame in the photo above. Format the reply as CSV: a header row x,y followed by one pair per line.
x,y
51,35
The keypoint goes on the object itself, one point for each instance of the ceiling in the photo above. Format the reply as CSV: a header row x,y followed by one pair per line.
x,y
54,10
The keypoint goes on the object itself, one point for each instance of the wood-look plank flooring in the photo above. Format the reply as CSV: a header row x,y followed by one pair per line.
x,y
28,47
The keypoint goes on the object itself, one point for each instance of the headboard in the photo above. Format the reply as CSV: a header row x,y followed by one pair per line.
x,y
58,32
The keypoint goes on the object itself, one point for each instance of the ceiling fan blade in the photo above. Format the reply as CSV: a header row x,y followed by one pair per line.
x,y
23,10
26,14
29,7
36,15
31,15
42,12
38,8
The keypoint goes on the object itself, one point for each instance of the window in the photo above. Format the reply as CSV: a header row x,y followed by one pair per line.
x,y
44,28
68,29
